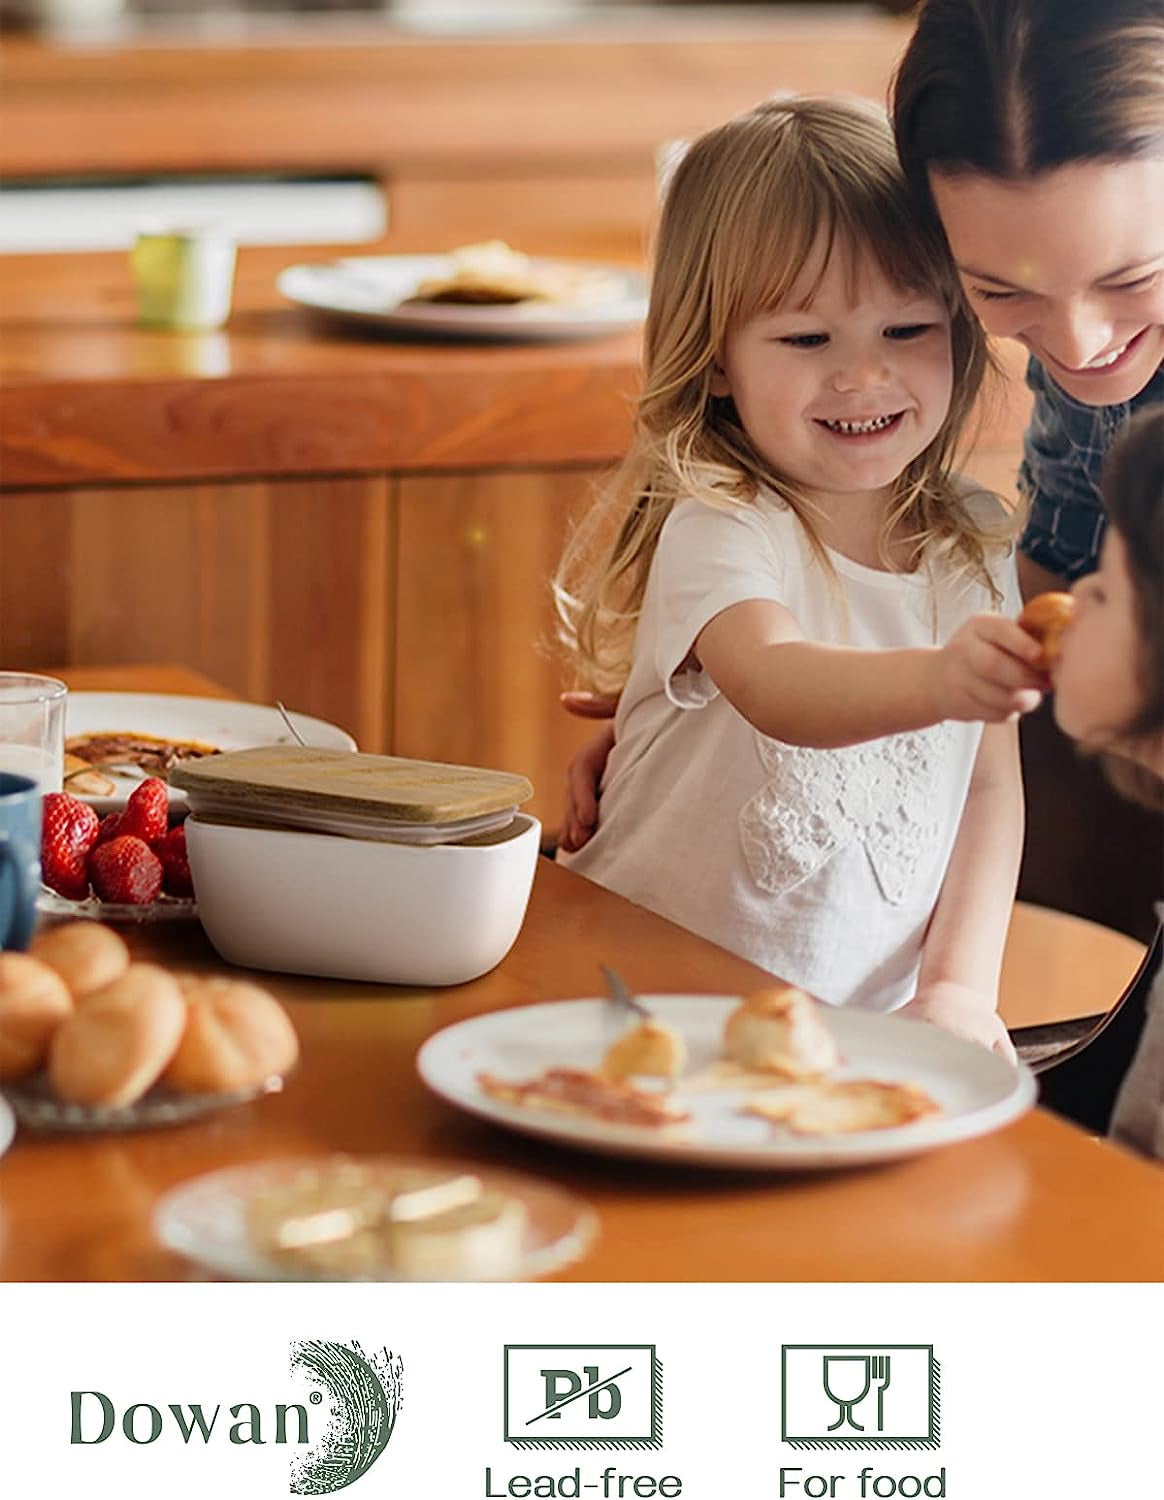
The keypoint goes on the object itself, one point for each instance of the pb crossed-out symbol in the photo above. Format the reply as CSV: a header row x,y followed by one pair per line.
x,y
563,1386
583,1396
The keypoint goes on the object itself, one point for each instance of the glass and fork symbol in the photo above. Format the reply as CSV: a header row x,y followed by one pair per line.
x,y
847,1388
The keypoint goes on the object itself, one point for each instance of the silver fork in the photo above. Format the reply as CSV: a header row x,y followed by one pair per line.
x,y
620,993
287,719
879,1367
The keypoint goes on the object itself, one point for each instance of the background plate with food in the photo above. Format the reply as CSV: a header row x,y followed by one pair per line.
x,y
499,295
125,737
974,1091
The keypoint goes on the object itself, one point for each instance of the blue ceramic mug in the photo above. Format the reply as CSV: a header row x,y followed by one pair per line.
x,y
20,814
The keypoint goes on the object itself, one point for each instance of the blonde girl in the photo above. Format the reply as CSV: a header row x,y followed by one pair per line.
x,y
801,604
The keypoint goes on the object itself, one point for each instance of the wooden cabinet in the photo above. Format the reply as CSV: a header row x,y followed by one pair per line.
x,y
477,673
413,611
277,589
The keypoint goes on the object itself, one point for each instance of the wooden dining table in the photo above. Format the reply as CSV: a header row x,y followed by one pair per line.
x,y
1036,1201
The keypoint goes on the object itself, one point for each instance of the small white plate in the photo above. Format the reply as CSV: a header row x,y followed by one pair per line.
x,y
221,722
205,1220
374,289
977,1091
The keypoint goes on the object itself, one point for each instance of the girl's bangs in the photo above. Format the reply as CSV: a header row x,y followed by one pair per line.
x,y
773,253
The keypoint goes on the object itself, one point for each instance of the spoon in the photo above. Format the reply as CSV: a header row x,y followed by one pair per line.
x,y
619,992
290,724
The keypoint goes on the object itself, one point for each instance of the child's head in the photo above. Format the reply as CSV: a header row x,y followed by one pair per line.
x,y
777,227
1036,128
1109,681
796,293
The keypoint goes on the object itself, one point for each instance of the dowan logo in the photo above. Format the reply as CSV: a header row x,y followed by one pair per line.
x,y
362,1394
366,1392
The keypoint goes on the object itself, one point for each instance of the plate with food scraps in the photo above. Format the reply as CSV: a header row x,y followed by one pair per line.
x,y
527,1069
125,737
570,300
340,1218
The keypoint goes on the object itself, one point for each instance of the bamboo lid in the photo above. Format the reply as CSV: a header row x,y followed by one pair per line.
x,y
283,779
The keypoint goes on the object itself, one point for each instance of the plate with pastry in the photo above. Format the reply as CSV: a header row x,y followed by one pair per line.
x,y
485,291
340,1218
115,740
769,1081
91,1041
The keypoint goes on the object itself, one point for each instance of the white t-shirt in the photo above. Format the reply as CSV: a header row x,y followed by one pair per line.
x,y
822,866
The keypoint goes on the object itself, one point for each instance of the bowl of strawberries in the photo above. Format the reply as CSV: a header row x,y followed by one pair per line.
x,y
129,865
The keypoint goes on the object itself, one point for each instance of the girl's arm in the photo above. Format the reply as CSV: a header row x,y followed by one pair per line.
x,y
805,693
962,955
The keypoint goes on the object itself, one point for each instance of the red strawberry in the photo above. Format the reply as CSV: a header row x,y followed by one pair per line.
x,y
147,813
175,862
68,830
127,870
109,829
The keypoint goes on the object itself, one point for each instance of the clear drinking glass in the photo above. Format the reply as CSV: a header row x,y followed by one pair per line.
x,y
32,727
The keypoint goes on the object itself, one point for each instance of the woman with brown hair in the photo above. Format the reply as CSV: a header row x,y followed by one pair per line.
x,y
1035,129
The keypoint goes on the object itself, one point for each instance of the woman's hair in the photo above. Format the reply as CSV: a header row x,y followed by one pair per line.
x,y
749,207
1012,88
1133,492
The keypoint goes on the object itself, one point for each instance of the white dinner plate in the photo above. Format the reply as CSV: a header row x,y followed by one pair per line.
x,y
977,1091
220,722
374,290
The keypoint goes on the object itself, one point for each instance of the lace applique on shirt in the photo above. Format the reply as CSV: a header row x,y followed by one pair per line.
x,y
884,794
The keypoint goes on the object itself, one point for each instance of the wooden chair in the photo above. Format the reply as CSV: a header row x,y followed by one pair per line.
x,y
1081,1082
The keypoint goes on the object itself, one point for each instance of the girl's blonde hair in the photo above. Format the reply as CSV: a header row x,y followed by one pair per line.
x,y
748,208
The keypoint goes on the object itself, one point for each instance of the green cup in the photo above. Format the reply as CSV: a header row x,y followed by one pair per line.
x,y
184,278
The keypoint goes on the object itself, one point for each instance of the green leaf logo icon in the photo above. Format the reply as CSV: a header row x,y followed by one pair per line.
x,y
365,1392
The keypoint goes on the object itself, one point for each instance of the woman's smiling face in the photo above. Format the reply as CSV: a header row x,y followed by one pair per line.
x,y
1071,264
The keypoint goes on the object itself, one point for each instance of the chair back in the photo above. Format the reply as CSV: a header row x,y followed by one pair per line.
x,y
1082,1082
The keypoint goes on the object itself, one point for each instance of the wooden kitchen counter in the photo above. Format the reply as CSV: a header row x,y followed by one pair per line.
x,y
87,397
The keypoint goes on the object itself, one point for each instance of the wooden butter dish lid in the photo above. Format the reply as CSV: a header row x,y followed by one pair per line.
x,y
282,780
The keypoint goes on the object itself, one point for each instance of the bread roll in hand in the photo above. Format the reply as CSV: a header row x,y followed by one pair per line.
x,y
1045,618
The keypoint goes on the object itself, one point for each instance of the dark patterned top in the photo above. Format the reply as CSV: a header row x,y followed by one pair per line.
x,y
1063,452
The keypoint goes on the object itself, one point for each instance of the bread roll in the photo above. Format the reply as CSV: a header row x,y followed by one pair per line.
x,y
117,1044
33,1002
1046,617
236,1036
780,1030
86,955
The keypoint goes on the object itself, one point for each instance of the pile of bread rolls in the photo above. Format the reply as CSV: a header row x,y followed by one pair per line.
x,y
107,1029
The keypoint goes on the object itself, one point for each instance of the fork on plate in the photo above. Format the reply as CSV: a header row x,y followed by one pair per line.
x,y
620,992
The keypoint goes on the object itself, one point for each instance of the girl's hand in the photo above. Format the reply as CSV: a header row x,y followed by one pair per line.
x,y
583,778
589,705
989,670
965,1012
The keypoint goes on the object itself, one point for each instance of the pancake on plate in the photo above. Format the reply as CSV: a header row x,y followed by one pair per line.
x,y
494,274
575,1091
